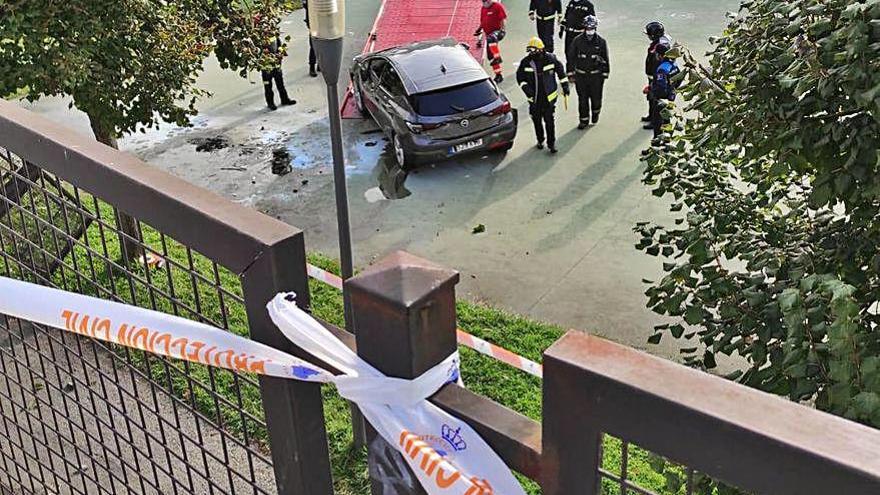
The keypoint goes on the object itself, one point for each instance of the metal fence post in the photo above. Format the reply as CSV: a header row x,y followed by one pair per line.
x,y
404,320
294,410
572,446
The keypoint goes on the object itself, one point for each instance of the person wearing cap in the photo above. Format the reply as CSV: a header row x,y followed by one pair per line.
x,y
493,18
538,76
573,20
656,32
664,85
545,13
588,67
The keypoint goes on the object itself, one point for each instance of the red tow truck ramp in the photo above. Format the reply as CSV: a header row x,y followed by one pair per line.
x,y
407,21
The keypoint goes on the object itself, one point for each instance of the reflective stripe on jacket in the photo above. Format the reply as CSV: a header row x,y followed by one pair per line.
x,y
576,12
541,69
545,10
588,56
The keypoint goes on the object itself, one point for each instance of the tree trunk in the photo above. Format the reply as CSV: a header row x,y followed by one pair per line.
x,y
129,235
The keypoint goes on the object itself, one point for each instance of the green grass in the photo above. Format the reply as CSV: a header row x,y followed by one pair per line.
x,y
193,290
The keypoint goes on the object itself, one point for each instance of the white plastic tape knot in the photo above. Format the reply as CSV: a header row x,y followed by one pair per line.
x,y
446,455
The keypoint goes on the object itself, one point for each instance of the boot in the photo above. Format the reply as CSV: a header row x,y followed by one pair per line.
x,y
648,127
646,119
583,125
553,149
288,101
595,118
540,146
499,78
272,106
313,72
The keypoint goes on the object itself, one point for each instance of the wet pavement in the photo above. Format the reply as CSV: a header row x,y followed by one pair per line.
x,y
557,244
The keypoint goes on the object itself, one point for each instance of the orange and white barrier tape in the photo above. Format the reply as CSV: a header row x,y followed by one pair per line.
x,y
464,338
446,455
500,353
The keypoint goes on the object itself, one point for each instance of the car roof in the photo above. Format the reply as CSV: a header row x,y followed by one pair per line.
x,y
433,65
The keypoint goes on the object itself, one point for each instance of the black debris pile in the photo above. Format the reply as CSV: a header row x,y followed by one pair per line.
x,y
209,144
281,162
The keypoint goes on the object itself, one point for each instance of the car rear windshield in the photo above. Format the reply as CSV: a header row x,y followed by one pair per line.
x,y
455,100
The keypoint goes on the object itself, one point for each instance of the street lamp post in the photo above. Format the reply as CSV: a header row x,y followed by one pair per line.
x,y
327,29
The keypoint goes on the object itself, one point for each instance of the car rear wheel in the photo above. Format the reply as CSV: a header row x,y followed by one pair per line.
x,y
404,159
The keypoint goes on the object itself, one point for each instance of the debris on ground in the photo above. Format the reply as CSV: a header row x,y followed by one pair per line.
x,y
209,144
68,387
281,162
372,131
235,169
479,229
305,182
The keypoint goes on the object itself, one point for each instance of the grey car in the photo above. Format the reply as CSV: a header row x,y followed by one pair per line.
x,y
434,101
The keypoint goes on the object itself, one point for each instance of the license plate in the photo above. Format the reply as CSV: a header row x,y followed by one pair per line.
x,y
458,148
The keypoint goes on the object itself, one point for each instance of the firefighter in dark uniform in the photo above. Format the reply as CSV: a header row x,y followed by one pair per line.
x,y
537,76
573,20
589,67
664,86
546,13
274,75
313,59
656,32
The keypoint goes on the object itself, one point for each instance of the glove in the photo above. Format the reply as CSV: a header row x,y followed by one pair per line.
x,y
561,32
605,75
532,16
647,90
566,88
478,32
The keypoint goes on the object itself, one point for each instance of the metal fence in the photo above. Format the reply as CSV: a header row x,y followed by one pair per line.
x,y
78,416
81,416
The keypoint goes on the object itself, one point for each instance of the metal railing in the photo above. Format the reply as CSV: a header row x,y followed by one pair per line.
x,y
79,416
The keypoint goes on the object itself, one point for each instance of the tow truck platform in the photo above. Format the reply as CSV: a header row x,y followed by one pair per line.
x,y
401,22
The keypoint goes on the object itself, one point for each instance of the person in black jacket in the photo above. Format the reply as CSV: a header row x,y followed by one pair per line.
x,y
546,13
537,76
274,47
589,66
573,20
313,59
656,32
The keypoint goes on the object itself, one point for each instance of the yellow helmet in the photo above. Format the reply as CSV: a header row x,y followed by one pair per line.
x,y
535,44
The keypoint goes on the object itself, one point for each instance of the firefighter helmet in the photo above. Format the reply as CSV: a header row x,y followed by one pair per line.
x,y
655,30
591,23
535,44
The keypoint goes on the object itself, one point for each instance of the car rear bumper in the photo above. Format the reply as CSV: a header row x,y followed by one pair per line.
x,y
423,149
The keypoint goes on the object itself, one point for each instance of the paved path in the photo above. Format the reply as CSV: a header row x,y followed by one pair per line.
x,y
558,244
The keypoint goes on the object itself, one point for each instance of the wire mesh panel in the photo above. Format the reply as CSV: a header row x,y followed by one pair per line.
x,y
627,469
81,416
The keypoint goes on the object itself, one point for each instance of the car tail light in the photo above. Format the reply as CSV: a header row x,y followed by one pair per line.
x,y
503,109
420,128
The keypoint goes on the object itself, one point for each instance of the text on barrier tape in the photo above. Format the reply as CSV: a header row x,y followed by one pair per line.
x,y
446,455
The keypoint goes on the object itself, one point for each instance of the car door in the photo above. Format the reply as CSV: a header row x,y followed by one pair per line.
x,y
370,76
392,98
